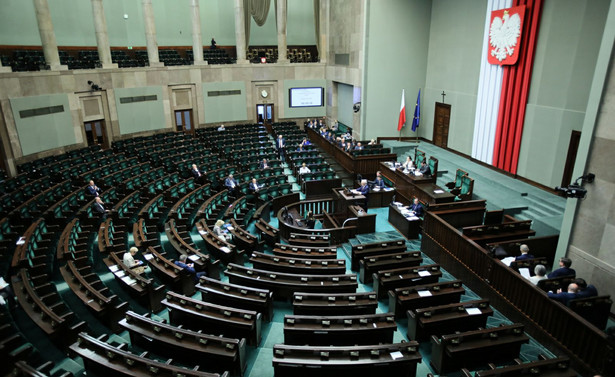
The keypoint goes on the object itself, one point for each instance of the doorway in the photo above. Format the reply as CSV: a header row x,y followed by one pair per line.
x,y
96,134
441,121
183,121
571,157
264,113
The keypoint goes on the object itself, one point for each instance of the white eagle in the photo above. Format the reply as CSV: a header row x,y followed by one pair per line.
x,y
503,35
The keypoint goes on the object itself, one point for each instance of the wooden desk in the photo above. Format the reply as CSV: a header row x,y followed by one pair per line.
x,y
408,228
409,186
364,165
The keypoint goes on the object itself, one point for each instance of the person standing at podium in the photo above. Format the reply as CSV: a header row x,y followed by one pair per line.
x,y
364,190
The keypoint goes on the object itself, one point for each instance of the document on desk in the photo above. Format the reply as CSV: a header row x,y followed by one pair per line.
x,y
424,293
525,272
396,355
438,191
202,232
473,311
424,273
194,257
148,256
388,189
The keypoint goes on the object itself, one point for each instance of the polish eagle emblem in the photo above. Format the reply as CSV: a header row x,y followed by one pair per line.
x,y
504,36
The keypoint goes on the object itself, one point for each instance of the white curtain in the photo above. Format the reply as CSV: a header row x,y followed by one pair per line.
x,y
256,9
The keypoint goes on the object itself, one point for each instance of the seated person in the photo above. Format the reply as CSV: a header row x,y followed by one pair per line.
x,y
93,189
7,296
379,182
372,142
130,261
310,220
408,164
358,147
565,297
221,128
213,44
417,208
564,270
348,147
220,231
99,207
539,274
231,184
196,173
304,143
304,169
525,253
334,126
254,187
188,267
425,169
585,290
264,164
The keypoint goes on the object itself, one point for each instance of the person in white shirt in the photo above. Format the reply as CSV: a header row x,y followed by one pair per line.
x,y
304,169
408,165
221,128
540,272
130,261
218,231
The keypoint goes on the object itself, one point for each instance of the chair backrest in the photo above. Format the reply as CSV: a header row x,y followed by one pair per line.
x,y
460,173
433,165
467,184
419,156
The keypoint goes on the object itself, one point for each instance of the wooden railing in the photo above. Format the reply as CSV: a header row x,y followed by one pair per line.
x,y
548,321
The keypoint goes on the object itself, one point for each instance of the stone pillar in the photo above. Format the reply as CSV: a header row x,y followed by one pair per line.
x,y
324,30
240,33
102,38
281,13
150,34
48,37
197,41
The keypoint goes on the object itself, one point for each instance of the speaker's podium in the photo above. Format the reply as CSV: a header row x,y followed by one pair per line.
x,y
349,213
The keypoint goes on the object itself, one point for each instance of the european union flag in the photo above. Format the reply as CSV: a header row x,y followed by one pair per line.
x,y
417,113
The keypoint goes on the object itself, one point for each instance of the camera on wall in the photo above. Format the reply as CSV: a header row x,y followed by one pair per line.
x,y
576,190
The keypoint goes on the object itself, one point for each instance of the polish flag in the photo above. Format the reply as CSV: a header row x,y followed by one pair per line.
x,y
402,111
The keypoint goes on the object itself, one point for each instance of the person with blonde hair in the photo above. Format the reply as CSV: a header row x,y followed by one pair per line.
x,y
220,232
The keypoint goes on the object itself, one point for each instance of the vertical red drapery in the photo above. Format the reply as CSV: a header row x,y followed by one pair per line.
x,y
515,89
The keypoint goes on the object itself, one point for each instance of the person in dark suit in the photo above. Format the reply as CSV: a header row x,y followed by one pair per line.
x,y
425,170
565,297
231,184
585,290
254,187
364,190
348,147
196,173
99,207
310,220
213,44
188,267
93,189
379,182
280,145
564,270
417,208
525,253
264,164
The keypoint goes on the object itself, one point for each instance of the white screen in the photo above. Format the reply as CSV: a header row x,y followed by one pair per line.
x,y
306,97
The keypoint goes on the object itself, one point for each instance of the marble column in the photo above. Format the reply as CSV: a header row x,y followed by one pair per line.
x,y
240,33
48,37
102,38
324,30
150,34
197,41
281,21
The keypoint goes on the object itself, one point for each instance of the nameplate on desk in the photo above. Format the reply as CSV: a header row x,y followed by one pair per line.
x,y
473,311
